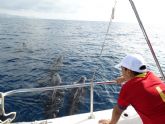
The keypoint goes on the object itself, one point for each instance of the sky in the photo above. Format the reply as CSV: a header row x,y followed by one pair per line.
x,y
151,11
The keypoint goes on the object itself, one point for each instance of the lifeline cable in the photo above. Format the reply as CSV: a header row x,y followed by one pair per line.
x,y
12,92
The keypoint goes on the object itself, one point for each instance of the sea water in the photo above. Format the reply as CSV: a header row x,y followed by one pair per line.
x,y
29,48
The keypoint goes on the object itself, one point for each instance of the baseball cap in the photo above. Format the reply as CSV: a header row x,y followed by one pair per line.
x,y
134,62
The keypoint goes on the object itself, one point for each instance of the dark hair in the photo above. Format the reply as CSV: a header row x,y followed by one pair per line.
x,y
143,67
136,73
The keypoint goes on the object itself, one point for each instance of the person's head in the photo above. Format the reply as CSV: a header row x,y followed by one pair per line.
x,y
133,65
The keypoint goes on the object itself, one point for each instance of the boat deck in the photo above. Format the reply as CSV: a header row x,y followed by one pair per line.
x,y
129,116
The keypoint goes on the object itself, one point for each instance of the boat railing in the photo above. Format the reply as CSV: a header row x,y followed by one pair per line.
x,y
8,118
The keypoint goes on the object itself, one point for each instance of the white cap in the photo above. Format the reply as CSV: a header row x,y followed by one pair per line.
x,y
134,62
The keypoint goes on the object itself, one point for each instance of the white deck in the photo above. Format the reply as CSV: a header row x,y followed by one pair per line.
x,y
132,118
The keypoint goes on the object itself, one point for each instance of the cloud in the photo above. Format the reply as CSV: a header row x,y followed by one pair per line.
x,y
41,5
64,9
84,9
17,4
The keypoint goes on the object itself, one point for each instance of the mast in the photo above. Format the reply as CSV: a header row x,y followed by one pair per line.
x,y
147,39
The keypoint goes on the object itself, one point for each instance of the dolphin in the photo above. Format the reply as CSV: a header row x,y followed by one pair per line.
x,y
56,103
73,98
78,96
55,78
53,74
57,64
54,99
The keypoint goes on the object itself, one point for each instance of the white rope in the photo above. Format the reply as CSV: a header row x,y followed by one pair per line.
x,y
7,118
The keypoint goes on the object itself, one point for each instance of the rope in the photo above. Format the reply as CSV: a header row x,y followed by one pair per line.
x,y
5,118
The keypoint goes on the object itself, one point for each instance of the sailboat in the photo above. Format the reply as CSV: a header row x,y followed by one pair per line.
x,y
129,116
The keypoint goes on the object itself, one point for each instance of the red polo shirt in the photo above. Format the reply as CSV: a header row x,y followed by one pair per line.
x,y
147,95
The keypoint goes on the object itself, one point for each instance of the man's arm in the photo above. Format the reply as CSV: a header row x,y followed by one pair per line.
x,y
116,113
120,80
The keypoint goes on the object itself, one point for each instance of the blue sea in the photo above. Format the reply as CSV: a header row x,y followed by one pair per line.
x,y
30,47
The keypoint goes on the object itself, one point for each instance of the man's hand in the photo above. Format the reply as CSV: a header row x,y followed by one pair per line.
x,y
116,113
105,121
120,80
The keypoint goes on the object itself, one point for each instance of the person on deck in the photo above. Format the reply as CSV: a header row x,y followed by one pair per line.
x,y
142,89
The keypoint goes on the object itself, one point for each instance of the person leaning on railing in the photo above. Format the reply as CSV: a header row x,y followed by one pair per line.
x,y
142,89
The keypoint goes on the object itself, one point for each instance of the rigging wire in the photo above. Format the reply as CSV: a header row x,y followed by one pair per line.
x,y
94,71
103,45
110,22
147,39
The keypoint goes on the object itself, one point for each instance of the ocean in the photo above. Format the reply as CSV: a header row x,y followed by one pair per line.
x,y
29,49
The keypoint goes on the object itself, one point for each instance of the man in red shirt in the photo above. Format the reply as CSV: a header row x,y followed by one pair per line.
x,y
142,89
